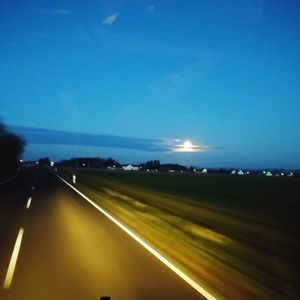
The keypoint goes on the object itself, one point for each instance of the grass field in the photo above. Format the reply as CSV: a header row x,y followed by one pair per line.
x,y
237,235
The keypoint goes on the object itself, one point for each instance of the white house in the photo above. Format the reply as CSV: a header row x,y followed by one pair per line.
x,y
240,172
233,172
130,168
204,171
269,173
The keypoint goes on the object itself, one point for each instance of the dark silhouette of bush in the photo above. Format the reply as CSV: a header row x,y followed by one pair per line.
x,y
45,161
11,148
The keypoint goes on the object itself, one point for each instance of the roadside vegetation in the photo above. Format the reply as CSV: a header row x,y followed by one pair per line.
x,y
11,148
238,235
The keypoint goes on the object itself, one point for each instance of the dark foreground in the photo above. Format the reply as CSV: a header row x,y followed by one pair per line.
x,y
71,251
239,236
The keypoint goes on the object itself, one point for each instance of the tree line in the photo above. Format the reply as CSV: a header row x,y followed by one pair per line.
x,y
11,149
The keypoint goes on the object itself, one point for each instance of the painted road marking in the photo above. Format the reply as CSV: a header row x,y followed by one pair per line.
x,y
13,260
175,269
28,203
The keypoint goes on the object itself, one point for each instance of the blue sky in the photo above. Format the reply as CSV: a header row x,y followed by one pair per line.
x,y
221,74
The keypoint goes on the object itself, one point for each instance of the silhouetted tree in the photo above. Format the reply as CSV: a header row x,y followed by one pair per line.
x,y
153,165
11,148
109,162
45,161
192,169
89,162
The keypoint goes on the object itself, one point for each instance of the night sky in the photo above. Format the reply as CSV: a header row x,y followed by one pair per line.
x,y
221,74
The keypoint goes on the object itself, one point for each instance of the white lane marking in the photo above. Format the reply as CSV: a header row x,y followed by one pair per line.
x,y
180,273
33,188
13,260
28,203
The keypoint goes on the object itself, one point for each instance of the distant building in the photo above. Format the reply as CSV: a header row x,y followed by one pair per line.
x,y
233,172
240,172
269,173
130,168
204,171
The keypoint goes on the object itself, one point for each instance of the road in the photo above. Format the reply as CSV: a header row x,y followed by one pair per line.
x,y
66,249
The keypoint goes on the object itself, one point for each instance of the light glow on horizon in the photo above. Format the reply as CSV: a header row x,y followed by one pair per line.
x,y
188,146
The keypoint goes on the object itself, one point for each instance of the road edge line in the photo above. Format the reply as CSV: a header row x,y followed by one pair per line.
x,y
167,263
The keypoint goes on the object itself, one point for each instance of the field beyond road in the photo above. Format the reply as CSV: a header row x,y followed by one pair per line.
x,y
238,236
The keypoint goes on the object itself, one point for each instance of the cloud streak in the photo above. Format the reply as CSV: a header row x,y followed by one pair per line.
x,y
173,84
150,8
178,145
57,12
110,19
114,41
55,137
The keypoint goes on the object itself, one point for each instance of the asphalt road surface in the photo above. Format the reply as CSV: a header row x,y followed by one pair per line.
x,y
55,245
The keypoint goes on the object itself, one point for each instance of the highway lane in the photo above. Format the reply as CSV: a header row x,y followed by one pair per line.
x,y
12,214
71,251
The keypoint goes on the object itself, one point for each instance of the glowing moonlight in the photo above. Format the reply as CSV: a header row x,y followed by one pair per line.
x,y
187,146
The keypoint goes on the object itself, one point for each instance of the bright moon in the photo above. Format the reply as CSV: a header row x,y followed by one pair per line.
x,y
187,144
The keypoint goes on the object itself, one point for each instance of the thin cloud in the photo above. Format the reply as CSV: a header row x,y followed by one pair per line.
x,y
110,19
173,84
56,137
57,12
149,8
123,42
177,145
